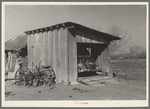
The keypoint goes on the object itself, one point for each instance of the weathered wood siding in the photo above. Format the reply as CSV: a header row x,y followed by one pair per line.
x,y
51,49
72,56
88,37
58,48
103,57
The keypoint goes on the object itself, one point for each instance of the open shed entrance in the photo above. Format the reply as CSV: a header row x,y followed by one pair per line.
x,y
90,60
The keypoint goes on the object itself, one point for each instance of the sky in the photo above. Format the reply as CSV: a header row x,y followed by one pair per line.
x,y
130,18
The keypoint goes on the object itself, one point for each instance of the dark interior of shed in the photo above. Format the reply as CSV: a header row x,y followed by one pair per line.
x,y
88,50
23,52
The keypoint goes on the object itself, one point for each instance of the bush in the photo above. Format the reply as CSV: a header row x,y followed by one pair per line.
x,y
135,52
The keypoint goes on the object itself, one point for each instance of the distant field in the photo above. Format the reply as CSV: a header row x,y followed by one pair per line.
x,y
130,69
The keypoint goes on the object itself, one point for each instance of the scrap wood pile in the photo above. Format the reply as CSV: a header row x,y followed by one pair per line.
x,y
35,77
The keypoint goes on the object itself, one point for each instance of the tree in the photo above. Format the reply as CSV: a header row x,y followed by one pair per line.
x,y
117,31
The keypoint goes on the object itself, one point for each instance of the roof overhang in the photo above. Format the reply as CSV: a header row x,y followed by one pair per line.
x,y
72,25
16,43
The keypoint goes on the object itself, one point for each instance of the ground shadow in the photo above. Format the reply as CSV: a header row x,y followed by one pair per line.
x,y
86,74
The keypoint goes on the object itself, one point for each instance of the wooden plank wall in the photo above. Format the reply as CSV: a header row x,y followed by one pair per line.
x,y
60,57
104,60
87,37
51,48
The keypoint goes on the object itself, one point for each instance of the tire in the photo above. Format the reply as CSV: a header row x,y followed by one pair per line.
x,y
20,77
90,64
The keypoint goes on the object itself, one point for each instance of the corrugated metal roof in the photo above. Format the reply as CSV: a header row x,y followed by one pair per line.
x,y
75,25
16,42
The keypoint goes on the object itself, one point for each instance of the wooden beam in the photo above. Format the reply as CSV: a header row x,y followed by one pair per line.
x,y
63,25
51,27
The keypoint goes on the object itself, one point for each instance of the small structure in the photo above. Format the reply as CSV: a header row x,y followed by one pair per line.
x,y
17,44
59,45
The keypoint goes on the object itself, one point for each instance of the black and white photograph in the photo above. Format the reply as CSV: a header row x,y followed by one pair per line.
x,y
75,54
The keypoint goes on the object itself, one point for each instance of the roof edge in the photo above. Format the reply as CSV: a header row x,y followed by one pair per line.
x,y
69,24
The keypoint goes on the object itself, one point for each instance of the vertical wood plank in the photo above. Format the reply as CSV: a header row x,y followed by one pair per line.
x,y
59,64
110,73
36,50
99,61
39,49
32,50
105,59
66,62
40,40
28,46
55,53
43,50
63,56
102,61
72,57
51,56
46,47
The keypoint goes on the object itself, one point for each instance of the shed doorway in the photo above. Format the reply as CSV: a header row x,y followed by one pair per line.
x,y
88,58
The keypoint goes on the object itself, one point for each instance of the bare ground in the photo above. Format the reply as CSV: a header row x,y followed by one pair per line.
x,y
121,88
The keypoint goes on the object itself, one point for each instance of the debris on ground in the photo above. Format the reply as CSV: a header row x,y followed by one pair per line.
x,y
79,90
9,93
52,88
83,82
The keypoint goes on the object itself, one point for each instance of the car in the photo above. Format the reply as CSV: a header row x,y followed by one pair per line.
x,y
87,64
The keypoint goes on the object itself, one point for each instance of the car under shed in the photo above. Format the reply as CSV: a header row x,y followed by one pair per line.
x,y
59,46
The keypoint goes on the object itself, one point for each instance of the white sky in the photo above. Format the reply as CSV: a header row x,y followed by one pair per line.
x,y
131,18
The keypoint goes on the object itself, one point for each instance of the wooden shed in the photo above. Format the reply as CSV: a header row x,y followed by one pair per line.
x,y
58,45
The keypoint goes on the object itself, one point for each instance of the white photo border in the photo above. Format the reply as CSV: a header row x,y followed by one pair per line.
x,y
70,103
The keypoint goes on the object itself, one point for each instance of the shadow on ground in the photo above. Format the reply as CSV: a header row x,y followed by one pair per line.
x,y
86,74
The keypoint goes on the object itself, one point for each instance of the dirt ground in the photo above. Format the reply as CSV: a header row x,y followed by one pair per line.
x,y
129,84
